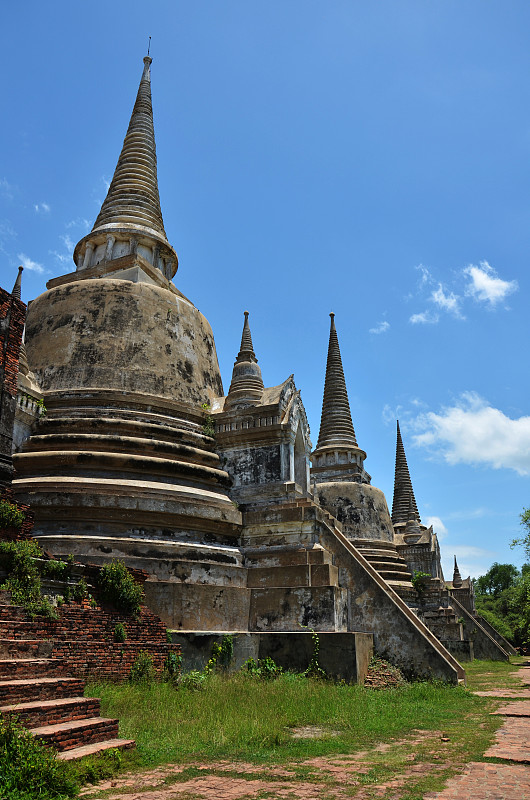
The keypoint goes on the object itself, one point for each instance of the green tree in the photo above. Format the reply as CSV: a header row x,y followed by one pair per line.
x,y
497,579
524,541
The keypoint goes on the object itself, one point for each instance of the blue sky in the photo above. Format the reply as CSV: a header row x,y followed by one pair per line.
x,y
371,159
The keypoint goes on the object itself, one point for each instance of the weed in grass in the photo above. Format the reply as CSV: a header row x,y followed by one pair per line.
x,y
142,670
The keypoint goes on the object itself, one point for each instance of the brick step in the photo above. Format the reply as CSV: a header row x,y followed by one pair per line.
x,y
51,712
25,648
95,747
32,667
23,691
8,612
67,735
29,630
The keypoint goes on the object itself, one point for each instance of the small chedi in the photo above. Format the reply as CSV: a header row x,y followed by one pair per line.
x,y
240,526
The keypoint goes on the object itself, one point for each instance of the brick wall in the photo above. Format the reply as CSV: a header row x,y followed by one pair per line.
x,y
84,636
12,319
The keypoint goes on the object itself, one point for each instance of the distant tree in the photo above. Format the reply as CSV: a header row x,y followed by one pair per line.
x,y
497,579
524,541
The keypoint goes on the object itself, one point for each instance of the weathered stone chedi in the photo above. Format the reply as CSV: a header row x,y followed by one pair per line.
x,y
236,531
124,362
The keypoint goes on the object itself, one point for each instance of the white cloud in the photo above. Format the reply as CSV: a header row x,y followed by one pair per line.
x,y
381,327
42,208
485,286
390,415
447,302
32,266
426,276
438,526
68,243
473,432
62,258
6,190
424,318
472,561
79,222
66,256
6,229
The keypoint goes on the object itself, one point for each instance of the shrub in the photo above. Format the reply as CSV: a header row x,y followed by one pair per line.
x,y
56,570
221,654
265,668
120,633
117,586
420,580
195,681
23,581
172,667
10,515
28,768
143,669
79,591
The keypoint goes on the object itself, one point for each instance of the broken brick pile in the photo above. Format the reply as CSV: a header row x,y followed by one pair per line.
x,y
382,675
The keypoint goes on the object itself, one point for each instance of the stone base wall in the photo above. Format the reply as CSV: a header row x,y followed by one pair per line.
x,y
341,655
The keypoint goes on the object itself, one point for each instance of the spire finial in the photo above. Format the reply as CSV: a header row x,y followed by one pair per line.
x,y
131,209
336,426
404,503
148,47
18,284
457,578
246,387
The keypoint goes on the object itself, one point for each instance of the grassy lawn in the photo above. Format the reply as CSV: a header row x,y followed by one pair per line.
x,y
241,719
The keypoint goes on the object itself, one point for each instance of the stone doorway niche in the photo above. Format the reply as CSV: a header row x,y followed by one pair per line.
x,y
300,460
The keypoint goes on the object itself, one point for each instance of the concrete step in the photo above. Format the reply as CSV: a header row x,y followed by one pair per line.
x,y
67,735
390,566
285,557
293,576
37,713
33,667
95,747
33,689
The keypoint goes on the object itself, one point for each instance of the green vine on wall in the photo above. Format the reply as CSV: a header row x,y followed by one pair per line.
x,y
208,427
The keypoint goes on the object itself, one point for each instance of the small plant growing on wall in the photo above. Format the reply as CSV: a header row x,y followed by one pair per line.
x,y
10,515
117,586
208,427
420,581
120,633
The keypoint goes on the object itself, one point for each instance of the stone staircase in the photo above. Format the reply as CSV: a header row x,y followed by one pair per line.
x,y
37,688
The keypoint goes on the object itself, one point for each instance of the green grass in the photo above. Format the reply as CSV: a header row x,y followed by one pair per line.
x,y
485,675
238,718
241,718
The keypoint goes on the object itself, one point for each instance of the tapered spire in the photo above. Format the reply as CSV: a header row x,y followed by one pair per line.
x,y
336,426
457,578
404,506
133,196
18,284
246,387
130,220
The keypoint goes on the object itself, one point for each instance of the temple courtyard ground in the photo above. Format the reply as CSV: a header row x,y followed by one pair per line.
x,y
422,764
